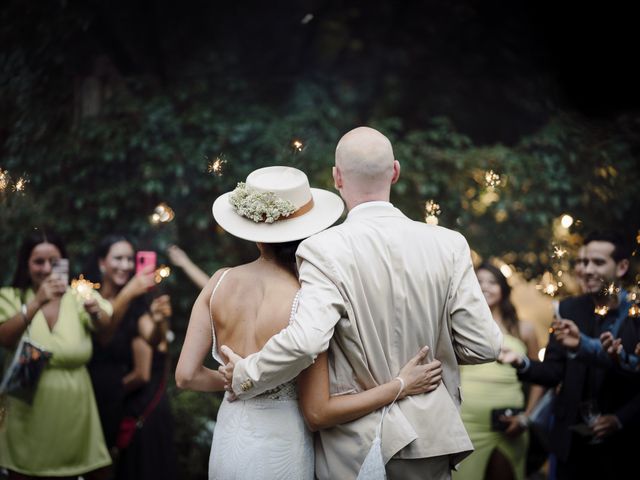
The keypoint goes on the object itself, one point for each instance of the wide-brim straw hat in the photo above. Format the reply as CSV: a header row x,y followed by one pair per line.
x,y
315,209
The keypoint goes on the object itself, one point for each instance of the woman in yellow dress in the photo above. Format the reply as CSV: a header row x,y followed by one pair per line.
x,y
59,433
499,454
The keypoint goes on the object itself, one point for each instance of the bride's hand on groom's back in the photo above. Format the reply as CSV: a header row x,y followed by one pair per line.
x,y
227,370
420,377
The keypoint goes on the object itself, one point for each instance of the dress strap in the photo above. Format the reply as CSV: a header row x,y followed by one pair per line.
x,y
213,330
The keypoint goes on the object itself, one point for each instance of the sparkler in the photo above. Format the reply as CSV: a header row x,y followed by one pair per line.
x,y
548,285
4,180
20,184
216,166
602,310
297,145
492,179
611,289
431,211
161,273
634,311
84,287
162,214
559,252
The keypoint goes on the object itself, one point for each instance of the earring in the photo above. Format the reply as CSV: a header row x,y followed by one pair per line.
x,y
102,269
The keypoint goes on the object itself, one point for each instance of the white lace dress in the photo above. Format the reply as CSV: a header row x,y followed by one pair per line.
x,y
261,438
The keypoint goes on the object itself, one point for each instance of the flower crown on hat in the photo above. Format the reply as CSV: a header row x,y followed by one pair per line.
x,y
259,206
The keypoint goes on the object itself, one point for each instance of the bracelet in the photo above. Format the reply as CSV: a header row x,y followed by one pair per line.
x,y
402,384
23,311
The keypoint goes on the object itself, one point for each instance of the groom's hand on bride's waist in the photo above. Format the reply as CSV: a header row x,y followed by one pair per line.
x,y
227,370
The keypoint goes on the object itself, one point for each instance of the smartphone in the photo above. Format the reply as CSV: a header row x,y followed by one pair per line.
x,y
61,269
145,258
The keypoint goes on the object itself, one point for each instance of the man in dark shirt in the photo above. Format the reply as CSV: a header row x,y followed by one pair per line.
x,y
573,362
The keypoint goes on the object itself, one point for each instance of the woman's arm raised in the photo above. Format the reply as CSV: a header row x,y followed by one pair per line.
x,y
321,410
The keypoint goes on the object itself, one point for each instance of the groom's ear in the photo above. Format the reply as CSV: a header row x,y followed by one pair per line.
x,y
337,178
396,172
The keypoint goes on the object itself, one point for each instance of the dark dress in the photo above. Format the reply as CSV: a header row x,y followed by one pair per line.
x,y
108,365
151,454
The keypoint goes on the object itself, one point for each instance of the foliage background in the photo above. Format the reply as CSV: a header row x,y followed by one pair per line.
x,y
109,108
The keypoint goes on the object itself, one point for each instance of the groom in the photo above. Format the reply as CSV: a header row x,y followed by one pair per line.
x,y
374,290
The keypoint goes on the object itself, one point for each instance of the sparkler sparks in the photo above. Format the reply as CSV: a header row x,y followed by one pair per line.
x,y
84,287
611,289
492,179
163,213
548,285
4,180
20,184
601,310
161,273
216,167
559,252
297,145
634,311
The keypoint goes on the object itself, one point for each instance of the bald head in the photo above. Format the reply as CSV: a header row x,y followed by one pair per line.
x,y
365,167
365,151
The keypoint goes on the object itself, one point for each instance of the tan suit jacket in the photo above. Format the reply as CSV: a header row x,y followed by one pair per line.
x,y
375,289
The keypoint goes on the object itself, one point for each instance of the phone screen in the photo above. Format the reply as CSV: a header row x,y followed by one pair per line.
x,y
144,259
61,269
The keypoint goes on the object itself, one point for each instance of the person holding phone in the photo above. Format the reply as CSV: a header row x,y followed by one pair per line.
x,y
129,366
59,434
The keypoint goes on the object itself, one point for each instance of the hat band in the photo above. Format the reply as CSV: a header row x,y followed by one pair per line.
x,y
301,211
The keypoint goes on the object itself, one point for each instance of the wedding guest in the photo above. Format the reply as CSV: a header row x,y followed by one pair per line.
x,y
374,289
180,259
59,434
500,441
117,367
151,453
604,447
244,306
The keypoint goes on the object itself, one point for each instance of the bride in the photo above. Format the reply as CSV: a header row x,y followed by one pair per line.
x,y
269,436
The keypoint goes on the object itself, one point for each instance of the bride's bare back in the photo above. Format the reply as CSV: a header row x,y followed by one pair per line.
x,y
252,303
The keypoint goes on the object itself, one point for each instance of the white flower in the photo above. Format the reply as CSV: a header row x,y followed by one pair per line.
x,y
259,206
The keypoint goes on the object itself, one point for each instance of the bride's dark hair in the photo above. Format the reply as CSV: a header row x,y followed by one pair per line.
x,y
285,254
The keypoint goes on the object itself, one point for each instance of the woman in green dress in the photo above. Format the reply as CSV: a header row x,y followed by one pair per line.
x,y
59,433
498,454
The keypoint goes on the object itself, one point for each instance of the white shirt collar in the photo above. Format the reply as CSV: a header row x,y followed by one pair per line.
x,y
374,203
